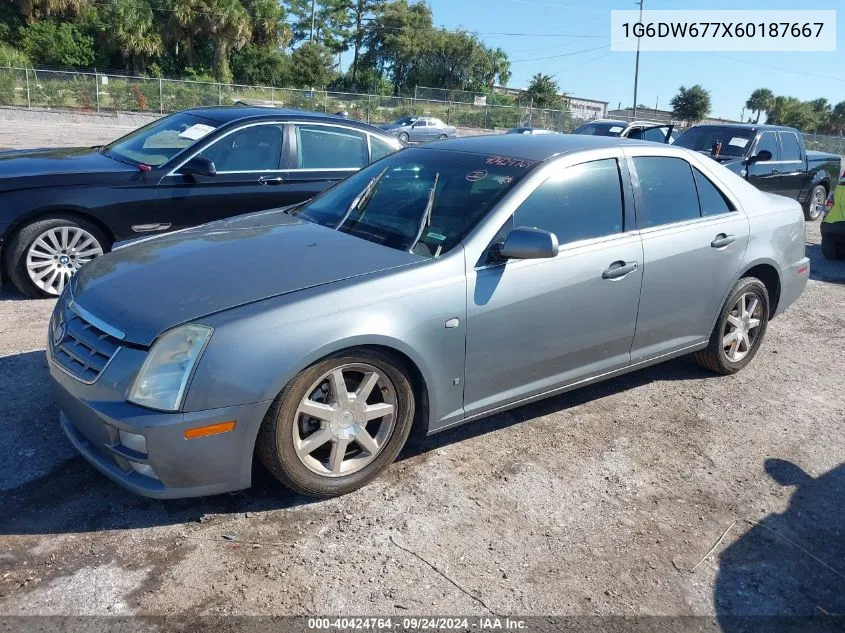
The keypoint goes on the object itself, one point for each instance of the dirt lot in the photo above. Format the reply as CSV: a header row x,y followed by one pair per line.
x,y
602,501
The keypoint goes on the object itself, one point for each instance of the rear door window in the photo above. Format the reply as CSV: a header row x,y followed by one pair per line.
x,y
667,190
582,202
379,148
711,199
330,147
790,147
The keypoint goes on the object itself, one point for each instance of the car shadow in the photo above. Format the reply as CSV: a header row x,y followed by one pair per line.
x,y
822,269
790,564
46,488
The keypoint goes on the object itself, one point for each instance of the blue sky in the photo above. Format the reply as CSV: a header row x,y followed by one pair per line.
x,y
609,76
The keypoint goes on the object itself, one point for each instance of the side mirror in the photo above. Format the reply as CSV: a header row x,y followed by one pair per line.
x,y
762,156
198,166
527,243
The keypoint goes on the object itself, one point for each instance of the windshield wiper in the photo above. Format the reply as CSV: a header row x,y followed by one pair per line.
x,y
362,198
426,216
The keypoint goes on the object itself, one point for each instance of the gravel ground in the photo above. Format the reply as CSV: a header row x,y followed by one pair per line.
x,y
598,502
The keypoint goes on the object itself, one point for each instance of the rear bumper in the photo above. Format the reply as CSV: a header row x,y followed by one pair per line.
x,y
793,280
180,467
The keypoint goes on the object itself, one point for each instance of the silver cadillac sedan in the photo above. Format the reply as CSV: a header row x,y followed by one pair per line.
x,y
439,285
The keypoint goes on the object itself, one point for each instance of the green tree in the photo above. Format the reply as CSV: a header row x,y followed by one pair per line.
x,y
261,65
179,28
543,91
131,32
398,36
11,57
793,112
691,104
268,21
837,117
328,19
51,44
34,9
227,24
312,65
500,68
759,100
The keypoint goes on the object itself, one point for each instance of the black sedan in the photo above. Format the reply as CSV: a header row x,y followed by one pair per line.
x,y
60,208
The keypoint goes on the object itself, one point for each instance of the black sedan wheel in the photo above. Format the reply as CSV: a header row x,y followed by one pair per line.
x,y
43,256
338,424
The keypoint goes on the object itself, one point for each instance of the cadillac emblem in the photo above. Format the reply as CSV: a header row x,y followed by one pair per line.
x,y
59,333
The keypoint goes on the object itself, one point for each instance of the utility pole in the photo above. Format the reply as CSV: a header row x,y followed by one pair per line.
x,y
311,39
637,67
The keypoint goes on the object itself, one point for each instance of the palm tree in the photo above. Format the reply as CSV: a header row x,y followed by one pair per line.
x,y
129,29
500,68
182,16
761,99
227,24
33,9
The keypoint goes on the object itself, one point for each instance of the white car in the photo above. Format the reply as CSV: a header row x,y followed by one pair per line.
x,y
638,130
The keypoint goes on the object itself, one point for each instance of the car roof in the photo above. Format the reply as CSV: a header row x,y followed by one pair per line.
x,y
748,126
230,113
529,147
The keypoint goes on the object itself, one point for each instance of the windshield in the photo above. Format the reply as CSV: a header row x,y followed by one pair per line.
x,y
736,141
161,140
601,129
419,200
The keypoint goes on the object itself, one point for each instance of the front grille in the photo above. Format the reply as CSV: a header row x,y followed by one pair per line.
x,y
84,350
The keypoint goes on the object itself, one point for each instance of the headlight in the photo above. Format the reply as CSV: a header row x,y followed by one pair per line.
x,y
164,376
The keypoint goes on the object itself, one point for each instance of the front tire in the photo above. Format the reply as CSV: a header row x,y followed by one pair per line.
x,y
739,331
42,256
815,203
338,423
404,137
442,137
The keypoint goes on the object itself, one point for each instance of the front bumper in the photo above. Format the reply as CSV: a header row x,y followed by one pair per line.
x,y
182,468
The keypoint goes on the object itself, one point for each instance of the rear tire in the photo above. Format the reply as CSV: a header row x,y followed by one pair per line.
x,y
831,250
28,256
442,136
323,437
815,203
740,329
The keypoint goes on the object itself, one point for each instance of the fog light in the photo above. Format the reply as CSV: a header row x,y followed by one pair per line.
x,y
133,441
144,469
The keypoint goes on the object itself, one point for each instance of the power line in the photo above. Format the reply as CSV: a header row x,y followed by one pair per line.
x,y
535,59
782,69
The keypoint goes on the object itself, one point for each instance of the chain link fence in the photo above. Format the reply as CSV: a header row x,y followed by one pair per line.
x,y
108,92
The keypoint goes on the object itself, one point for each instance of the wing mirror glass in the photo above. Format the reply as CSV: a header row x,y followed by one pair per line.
x,y
761,156
527,243
198,166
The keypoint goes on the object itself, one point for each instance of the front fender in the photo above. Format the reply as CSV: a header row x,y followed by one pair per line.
x,y
257,349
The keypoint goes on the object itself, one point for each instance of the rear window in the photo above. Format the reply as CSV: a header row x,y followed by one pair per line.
x,y
735,141
712,201
601,129
790,147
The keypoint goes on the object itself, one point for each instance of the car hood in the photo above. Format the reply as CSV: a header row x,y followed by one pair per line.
x,y
55,167
153,285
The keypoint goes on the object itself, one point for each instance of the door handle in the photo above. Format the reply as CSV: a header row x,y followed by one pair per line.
x,y
619,269
266,180
776,172
722,240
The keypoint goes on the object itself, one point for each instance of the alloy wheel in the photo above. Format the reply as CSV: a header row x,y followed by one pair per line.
x,y
742,327
57,254
345,419
817,204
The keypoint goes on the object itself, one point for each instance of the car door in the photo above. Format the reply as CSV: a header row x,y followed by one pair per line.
x,y
319,155
793,165
535,325
765,174
248,178
420,131
693,242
